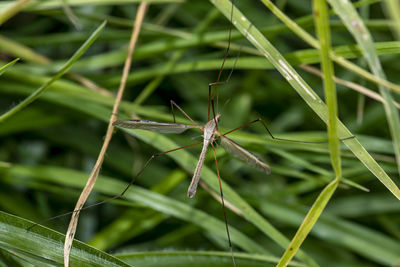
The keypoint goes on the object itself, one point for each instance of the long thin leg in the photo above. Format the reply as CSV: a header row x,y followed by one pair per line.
x,y
172,110
119,195
215,84
223,206
282,139
181,110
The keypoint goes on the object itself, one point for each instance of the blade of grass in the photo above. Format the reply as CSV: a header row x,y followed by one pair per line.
x,y
393,10
9,64
355,25
322,24
45,245
357,87
11,10
196,258
35,95
25,53
308,222
50,4
304,90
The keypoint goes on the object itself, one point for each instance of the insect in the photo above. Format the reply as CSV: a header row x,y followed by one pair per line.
x,y
210,133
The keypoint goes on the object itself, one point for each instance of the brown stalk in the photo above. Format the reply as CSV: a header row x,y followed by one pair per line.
x,y
356,87
96,169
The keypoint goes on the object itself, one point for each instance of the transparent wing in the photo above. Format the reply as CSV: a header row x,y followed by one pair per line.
x,y
244,155
161,127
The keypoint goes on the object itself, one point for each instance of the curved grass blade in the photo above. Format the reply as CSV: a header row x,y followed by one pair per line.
x,y
16,49
322,25
304,90
308,222
35,95
45,246
9,64
36,5
11,10
349,16
197,259
393,10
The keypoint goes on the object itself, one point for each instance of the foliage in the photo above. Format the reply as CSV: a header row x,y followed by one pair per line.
x,y
48,147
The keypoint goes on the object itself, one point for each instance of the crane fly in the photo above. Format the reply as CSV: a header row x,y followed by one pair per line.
x,y
210,132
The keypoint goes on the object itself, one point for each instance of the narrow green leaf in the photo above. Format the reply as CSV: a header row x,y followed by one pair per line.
x,y
35,95
322,25
35,5
11,47
196,258
348,14
9,64
308,222
11,10
45,246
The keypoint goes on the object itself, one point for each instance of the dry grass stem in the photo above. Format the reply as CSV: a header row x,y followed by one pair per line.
x,y
96,169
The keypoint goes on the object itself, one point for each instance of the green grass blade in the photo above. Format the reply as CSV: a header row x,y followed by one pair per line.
x,y
322,25
393,9
35,95
35,5
9,64
45,246
308,222
11,10
355,25
195,258
18,50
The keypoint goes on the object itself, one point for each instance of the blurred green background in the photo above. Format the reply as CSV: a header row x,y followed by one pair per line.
x,y
47,150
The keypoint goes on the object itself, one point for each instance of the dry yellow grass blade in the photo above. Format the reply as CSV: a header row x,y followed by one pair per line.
x,y
96,169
